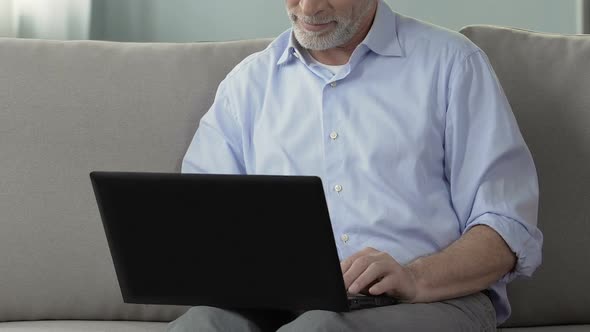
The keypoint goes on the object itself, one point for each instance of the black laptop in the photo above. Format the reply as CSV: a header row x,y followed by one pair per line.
x,y
230,241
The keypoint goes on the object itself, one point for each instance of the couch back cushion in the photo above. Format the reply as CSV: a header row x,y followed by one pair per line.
x,y
547,80
67,108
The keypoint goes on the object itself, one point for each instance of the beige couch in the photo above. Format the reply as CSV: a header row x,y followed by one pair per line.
x,y
67,108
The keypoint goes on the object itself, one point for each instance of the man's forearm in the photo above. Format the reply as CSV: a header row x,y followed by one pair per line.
x,y
479,258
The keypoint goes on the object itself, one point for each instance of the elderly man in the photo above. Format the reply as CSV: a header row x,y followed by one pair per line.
x,y
431,189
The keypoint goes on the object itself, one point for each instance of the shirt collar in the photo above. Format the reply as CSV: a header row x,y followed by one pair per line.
x,y
381,39
293,50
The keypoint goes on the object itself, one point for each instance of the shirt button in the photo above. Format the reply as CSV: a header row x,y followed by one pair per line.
x,y
345,238
333,84
333,135
338,188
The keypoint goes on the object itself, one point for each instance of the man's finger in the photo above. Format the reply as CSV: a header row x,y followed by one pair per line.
x,y
374,272
347,263
357,268
385,285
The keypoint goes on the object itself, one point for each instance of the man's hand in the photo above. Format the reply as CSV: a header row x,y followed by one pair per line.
x,y
472,263
377,273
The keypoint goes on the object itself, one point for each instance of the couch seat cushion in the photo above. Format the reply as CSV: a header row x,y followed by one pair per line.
x,y
568,328
83,326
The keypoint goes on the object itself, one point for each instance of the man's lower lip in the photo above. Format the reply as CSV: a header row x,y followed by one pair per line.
x,y
315,27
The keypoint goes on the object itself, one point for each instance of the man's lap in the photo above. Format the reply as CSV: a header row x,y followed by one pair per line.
x,y
470,313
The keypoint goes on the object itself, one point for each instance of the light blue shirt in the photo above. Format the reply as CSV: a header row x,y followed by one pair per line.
x,y
414,141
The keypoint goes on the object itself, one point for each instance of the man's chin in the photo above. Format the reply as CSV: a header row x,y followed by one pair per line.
x,y
311,39
312,45
317,43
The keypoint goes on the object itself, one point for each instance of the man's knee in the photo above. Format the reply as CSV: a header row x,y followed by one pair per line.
x,y
204,318
315,320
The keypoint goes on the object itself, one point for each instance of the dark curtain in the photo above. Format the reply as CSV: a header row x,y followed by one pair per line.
x,y
122,20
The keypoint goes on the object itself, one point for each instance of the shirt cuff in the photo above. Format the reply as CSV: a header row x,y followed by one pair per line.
x,y
525,241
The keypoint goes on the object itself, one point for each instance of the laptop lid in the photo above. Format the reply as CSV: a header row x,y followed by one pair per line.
x,y
232,241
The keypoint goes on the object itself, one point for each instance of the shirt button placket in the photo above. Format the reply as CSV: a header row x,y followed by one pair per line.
x,y
344,238
334,152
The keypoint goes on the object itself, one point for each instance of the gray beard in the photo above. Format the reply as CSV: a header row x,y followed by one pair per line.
x,y
345,30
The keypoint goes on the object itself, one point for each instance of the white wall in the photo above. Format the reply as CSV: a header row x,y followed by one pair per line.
x,y
6,18
187,20
217,20
48,19
201,20
560,16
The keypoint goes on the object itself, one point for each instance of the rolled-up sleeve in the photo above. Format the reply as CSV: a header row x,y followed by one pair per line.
x,y
492,177
217,144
